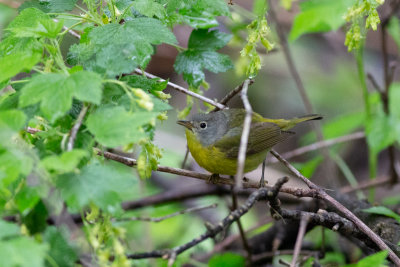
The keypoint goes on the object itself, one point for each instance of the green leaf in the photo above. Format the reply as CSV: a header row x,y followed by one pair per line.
x,y
66,162
394,99
12,64
201,55
60,5
42,28
61,251
114,49
8,229
22,252
87,86
138,81
26,198
149,8
319,16
377,259
199,13
54,91
50,5
14,162
227,259
114,126
36,219
383,211
12,119
105,185
394,30
27,18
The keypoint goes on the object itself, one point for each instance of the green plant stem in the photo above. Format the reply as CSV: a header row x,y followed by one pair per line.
x,y
70,28
123,85
348,174
372,157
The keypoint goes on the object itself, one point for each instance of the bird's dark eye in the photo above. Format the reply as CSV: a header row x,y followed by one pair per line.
x,y
203,125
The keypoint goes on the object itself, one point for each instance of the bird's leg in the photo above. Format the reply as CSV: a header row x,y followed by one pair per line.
x,y
262,182
213,177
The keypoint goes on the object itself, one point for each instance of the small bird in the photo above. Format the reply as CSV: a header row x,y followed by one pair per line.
x,y
214,138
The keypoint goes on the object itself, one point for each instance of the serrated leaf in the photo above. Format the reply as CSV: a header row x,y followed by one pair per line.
x,y
22,252
200,14
319,16
114,126
61,251
114,49
138,81
227,259
208,40
54,91
201,55
87,86
57,6
149,8
27,18
66,162
383,211
41,28
105,185
12,64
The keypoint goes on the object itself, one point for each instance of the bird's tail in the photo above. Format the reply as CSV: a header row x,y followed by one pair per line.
x,y
288,124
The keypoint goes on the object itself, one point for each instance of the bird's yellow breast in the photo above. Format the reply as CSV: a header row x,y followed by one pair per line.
x,y
215,161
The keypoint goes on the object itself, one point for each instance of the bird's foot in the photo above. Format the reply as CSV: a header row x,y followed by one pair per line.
x,y
213,178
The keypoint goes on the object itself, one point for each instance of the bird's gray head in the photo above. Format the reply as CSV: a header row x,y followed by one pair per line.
x,y
207,127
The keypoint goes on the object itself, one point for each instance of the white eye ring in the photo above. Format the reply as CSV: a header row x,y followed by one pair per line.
x,y
203,125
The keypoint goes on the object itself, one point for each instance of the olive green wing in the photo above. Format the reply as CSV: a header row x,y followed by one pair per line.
x,y
263,136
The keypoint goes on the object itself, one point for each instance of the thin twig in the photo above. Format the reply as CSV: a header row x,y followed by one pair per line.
x,y
240,226
231,94
271,254
348,214
185,158
299,240
75,128
162,218
245,136
374,83
182,89
371,183
32,130
317,145
261,194
297,192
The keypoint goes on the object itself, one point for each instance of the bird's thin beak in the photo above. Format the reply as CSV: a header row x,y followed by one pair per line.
x,y
187,124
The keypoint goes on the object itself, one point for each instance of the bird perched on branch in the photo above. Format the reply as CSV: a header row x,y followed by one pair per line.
x,y
214,138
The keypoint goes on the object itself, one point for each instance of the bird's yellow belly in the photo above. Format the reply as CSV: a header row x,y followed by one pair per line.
x,y
214,161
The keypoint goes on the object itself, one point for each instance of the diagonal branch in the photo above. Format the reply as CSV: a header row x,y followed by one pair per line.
x,y
348,214
317,145
182,89
75,128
